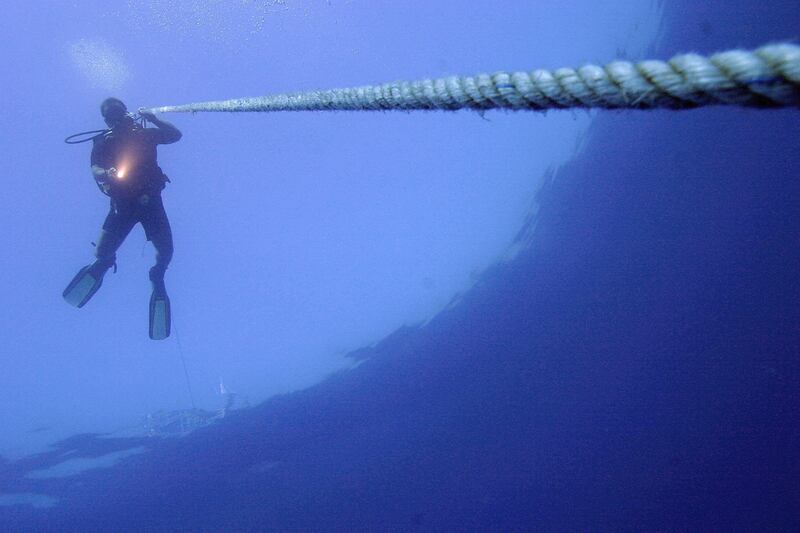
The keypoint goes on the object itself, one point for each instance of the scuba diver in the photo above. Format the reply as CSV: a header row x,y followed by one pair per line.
x,y
125,168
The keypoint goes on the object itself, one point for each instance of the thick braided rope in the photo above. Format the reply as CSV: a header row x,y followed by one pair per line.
x,y
766,77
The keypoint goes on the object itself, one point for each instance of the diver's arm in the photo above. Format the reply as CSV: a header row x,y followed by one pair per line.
x,y
168,133
102,175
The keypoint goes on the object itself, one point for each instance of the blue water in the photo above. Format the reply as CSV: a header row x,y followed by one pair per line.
x,y
633,368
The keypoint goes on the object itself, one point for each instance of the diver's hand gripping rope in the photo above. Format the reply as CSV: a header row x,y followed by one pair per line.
x,y
766,77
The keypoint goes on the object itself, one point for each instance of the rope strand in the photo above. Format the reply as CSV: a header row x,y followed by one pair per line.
x,y
766,77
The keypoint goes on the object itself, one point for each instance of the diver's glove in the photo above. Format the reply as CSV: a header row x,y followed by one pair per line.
x,y
105,180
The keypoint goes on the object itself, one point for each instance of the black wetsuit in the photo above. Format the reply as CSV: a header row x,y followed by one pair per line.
x,y
135,194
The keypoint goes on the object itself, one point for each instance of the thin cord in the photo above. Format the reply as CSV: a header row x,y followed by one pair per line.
x,y
183,362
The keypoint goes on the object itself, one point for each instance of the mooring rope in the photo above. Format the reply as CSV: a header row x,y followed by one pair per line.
x,y
766,77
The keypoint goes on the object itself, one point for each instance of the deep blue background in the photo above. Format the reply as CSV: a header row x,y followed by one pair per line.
x,y
634,368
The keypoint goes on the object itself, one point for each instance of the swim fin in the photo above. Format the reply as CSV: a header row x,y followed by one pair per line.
x,y
83,286
160,312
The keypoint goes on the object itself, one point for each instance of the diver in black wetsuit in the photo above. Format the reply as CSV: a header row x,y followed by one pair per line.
x,y
125,167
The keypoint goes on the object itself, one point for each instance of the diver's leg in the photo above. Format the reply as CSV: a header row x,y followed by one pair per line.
x,y
90,278
158,231
118,224
156,227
